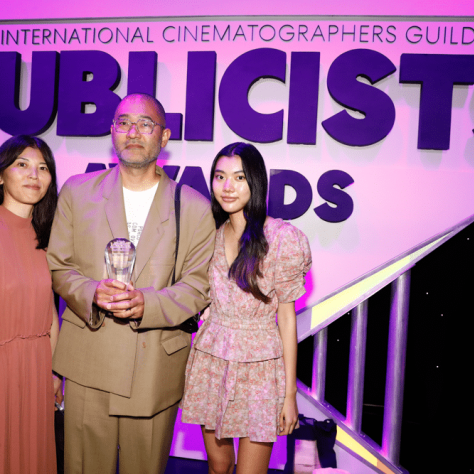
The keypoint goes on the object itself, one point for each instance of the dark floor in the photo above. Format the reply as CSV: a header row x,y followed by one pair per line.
x,y
181,466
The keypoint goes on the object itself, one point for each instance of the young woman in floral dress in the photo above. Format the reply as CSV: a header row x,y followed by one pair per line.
x,y
241,373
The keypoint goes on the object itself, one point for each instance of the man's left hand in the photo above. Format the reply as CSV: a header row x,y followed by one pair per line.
x,y
127,305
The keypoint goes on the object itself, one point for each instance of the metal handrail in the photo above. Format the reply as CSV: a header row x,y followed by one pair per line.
x,y
309,325
393,407
399,280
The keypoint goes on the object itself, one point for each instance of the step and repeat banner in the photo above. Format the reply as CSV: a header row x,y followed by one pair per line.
x,y
366,126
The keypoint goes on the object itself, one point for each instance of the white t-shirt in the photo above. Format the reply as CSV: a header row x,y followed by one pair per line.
x,y
137,206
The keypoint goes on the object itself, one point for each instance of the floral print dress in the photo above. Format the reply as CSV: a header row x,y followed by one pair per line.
x,y
235,376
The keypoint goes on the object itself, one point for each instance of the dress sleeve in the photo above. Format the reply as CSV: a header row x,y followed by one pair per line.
x,y
293,262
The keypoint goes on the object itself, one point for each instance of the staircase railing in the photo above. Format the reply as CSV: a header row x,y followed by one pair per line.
x,y
396,273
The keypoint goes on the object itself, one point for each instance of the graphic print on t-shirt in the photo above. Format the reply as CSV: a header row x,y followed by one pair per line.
x,y
134,232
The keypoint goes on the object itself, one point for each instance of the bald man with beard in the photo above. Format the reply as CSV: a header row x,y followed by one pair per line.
x,y
120,348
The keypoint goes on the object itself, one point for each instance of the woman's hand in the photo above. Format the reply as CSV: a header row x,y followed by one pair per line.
x,y
58,390
205,313
289,416
287,328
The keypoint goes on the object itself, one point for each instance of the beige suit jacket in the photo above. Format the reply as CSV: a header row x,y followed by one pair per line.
x,y
141,365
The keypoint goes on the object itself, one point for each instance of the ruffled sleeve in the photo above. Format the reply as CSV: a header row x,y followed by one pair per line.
x,y
293,262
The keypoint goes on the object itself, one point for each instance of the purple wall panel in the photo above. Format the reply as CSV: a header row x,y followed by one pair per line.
x,y
40,113
238,78
142,69
303,102
200,91
76,90
375,105
437,74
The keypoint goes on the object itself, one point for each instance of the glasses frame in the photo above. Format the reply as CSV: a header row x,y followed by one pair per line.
x,y
136,126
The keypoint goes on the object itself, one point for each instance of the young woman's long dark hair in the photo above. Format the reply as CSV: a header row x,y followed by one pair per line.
x,y
253,245
43,211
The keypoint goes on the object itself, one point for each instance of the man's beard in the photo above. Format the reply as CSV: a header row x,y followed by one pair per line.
x,y
145,160
135,164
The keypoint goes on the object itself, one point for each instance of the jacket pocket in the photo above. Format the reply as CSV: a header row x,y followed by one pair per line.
x,y
174,344
71,317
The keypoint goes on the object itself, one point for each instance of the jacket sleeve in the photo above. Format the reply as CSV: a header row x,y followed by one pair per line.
x,y
174,304
68,281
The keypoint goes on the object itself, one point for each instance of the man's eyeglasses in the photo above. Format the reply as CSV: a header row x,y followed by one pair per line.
x,y
144,126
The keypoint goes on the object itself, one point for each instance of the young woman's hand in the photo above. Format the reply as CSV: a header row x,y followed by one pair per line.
x,y
58,390
205,314
289,416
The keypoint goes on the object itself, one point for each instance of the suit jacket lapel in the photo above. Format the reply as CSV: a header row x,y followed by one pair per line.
x,y
114,207
160,211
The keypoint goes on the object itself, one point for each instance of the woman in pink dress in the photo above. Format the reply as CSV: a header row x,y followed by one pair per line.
x,y
28,321
241,373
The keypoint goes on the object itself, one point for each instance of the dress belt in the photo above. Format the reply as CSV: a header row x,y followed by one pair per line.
x,y
34,336
265,324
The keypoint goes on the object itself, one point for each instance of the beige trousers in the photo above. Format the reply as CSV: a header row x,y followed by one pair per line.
x,y
93,438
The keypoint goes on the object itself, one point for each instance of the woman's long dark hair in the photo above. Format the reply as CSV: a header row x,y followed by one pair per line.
x,y
253,245
43,211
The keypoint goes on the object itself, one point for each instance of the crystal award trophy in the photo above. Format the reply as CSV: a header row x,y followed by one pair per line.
x,y
120,257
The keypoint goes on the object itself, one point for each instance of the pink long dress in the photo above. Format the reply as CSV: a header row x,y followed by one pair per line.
x,y
235,376
26,389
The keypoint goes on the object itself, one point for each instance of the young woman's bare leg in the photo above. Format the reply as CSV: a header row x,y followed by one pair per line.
x,y
254,457
220,453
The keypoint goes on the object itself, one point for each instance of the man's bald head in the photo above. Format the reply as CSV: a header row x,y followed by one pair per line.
x,y
160,110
